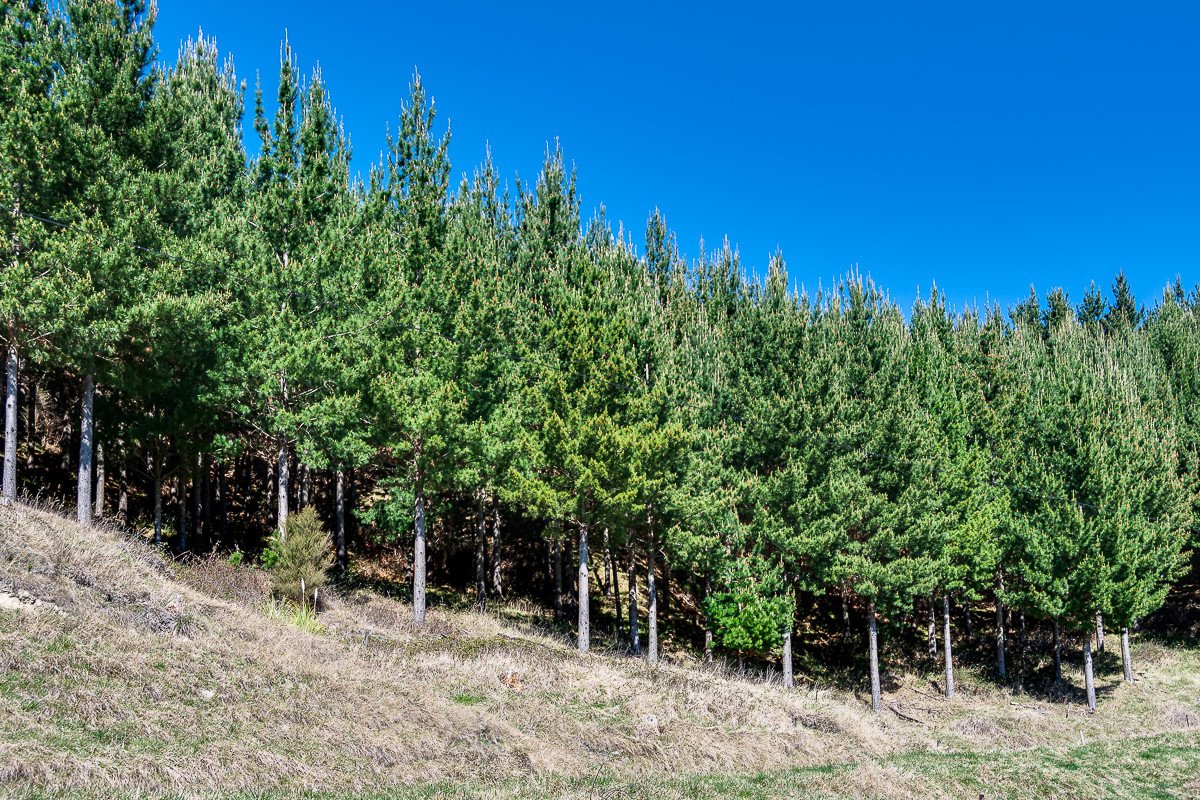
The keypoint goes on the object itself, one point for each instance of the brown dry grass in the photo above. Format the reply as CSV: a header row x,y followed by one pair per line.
x,y
123,676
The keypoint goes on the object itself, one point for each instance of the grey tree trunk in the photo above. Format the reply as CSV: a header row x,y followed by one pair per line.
x,y
8,492
608,568
651,604
708,627
932,636
1057,653
635,639
340,526
946,646
558,577
497,549
846,610
873,647
1088,677
1099,632
419,551
1126,660
282,487
83,493
582,599
305,485
787,658
158,510
967,618
1000,666
224,501
123,481
181,507
100,478
480,552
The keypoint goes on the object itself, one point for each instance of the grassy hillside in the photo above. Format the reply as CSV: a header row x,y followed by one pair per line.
x,y
118,678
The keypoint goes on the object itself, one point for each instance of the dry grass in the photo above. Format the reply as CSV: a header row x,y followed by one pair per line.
x,y
116,675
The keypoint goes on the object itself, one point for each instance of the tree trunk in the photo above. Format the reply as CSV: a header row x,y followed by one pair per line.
x,y
1099,632
305,485
206,472
846,610
558,577
1057,654
708,626
1088,677
123,482
100,478
618,632
181,509
419,551
635,639
339,532
666,589
967,619
651,602
787,658
197,511
480,552
582,593
873,647
932,635
281,513
83,495
1126,660
224,502
608,568
1000,666
947,647
158,511
497,550
9,483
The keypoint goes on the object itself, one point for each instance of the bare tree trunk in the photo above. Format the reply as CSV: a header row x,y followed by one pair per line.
x,y
197,511
497,550
9,491
83,495
967,619
206,473
651,600
1099,632
932,636
281,513
846,610
340,519
1057,653
618,633
708,626
1126,660
582,599
100,478
305,485
224,502
608,568
480,552
419,551
558,577
873,647
123,480
1000,666
947,647
635,639
31,411
181,508
787,658
1088,677
158,510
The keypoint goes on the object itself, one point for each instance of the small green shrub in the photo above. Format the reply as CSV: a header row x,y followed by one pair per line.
x,y
298,615
302,559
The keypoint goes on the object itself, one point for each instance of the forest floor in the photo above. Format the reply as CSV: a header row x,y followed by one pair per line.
x,y
119,677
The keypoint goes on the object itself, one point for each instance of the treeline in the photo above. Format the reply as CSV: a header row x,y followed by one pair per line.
x,y
451,344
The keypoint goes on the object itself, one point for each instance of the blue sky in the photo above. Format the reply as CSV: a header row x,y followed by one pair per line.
x,y
984,147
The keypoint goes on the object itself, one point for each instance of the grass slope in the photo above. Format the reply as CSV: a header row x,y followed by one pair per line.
x,y
117,679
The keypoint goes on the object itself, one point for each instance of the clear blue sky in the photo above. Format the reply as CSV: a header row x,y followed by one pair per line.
x,y
984,147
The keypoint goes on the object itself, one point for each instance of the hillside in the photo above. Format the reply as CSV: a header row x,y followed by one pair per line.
x,y
117,678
